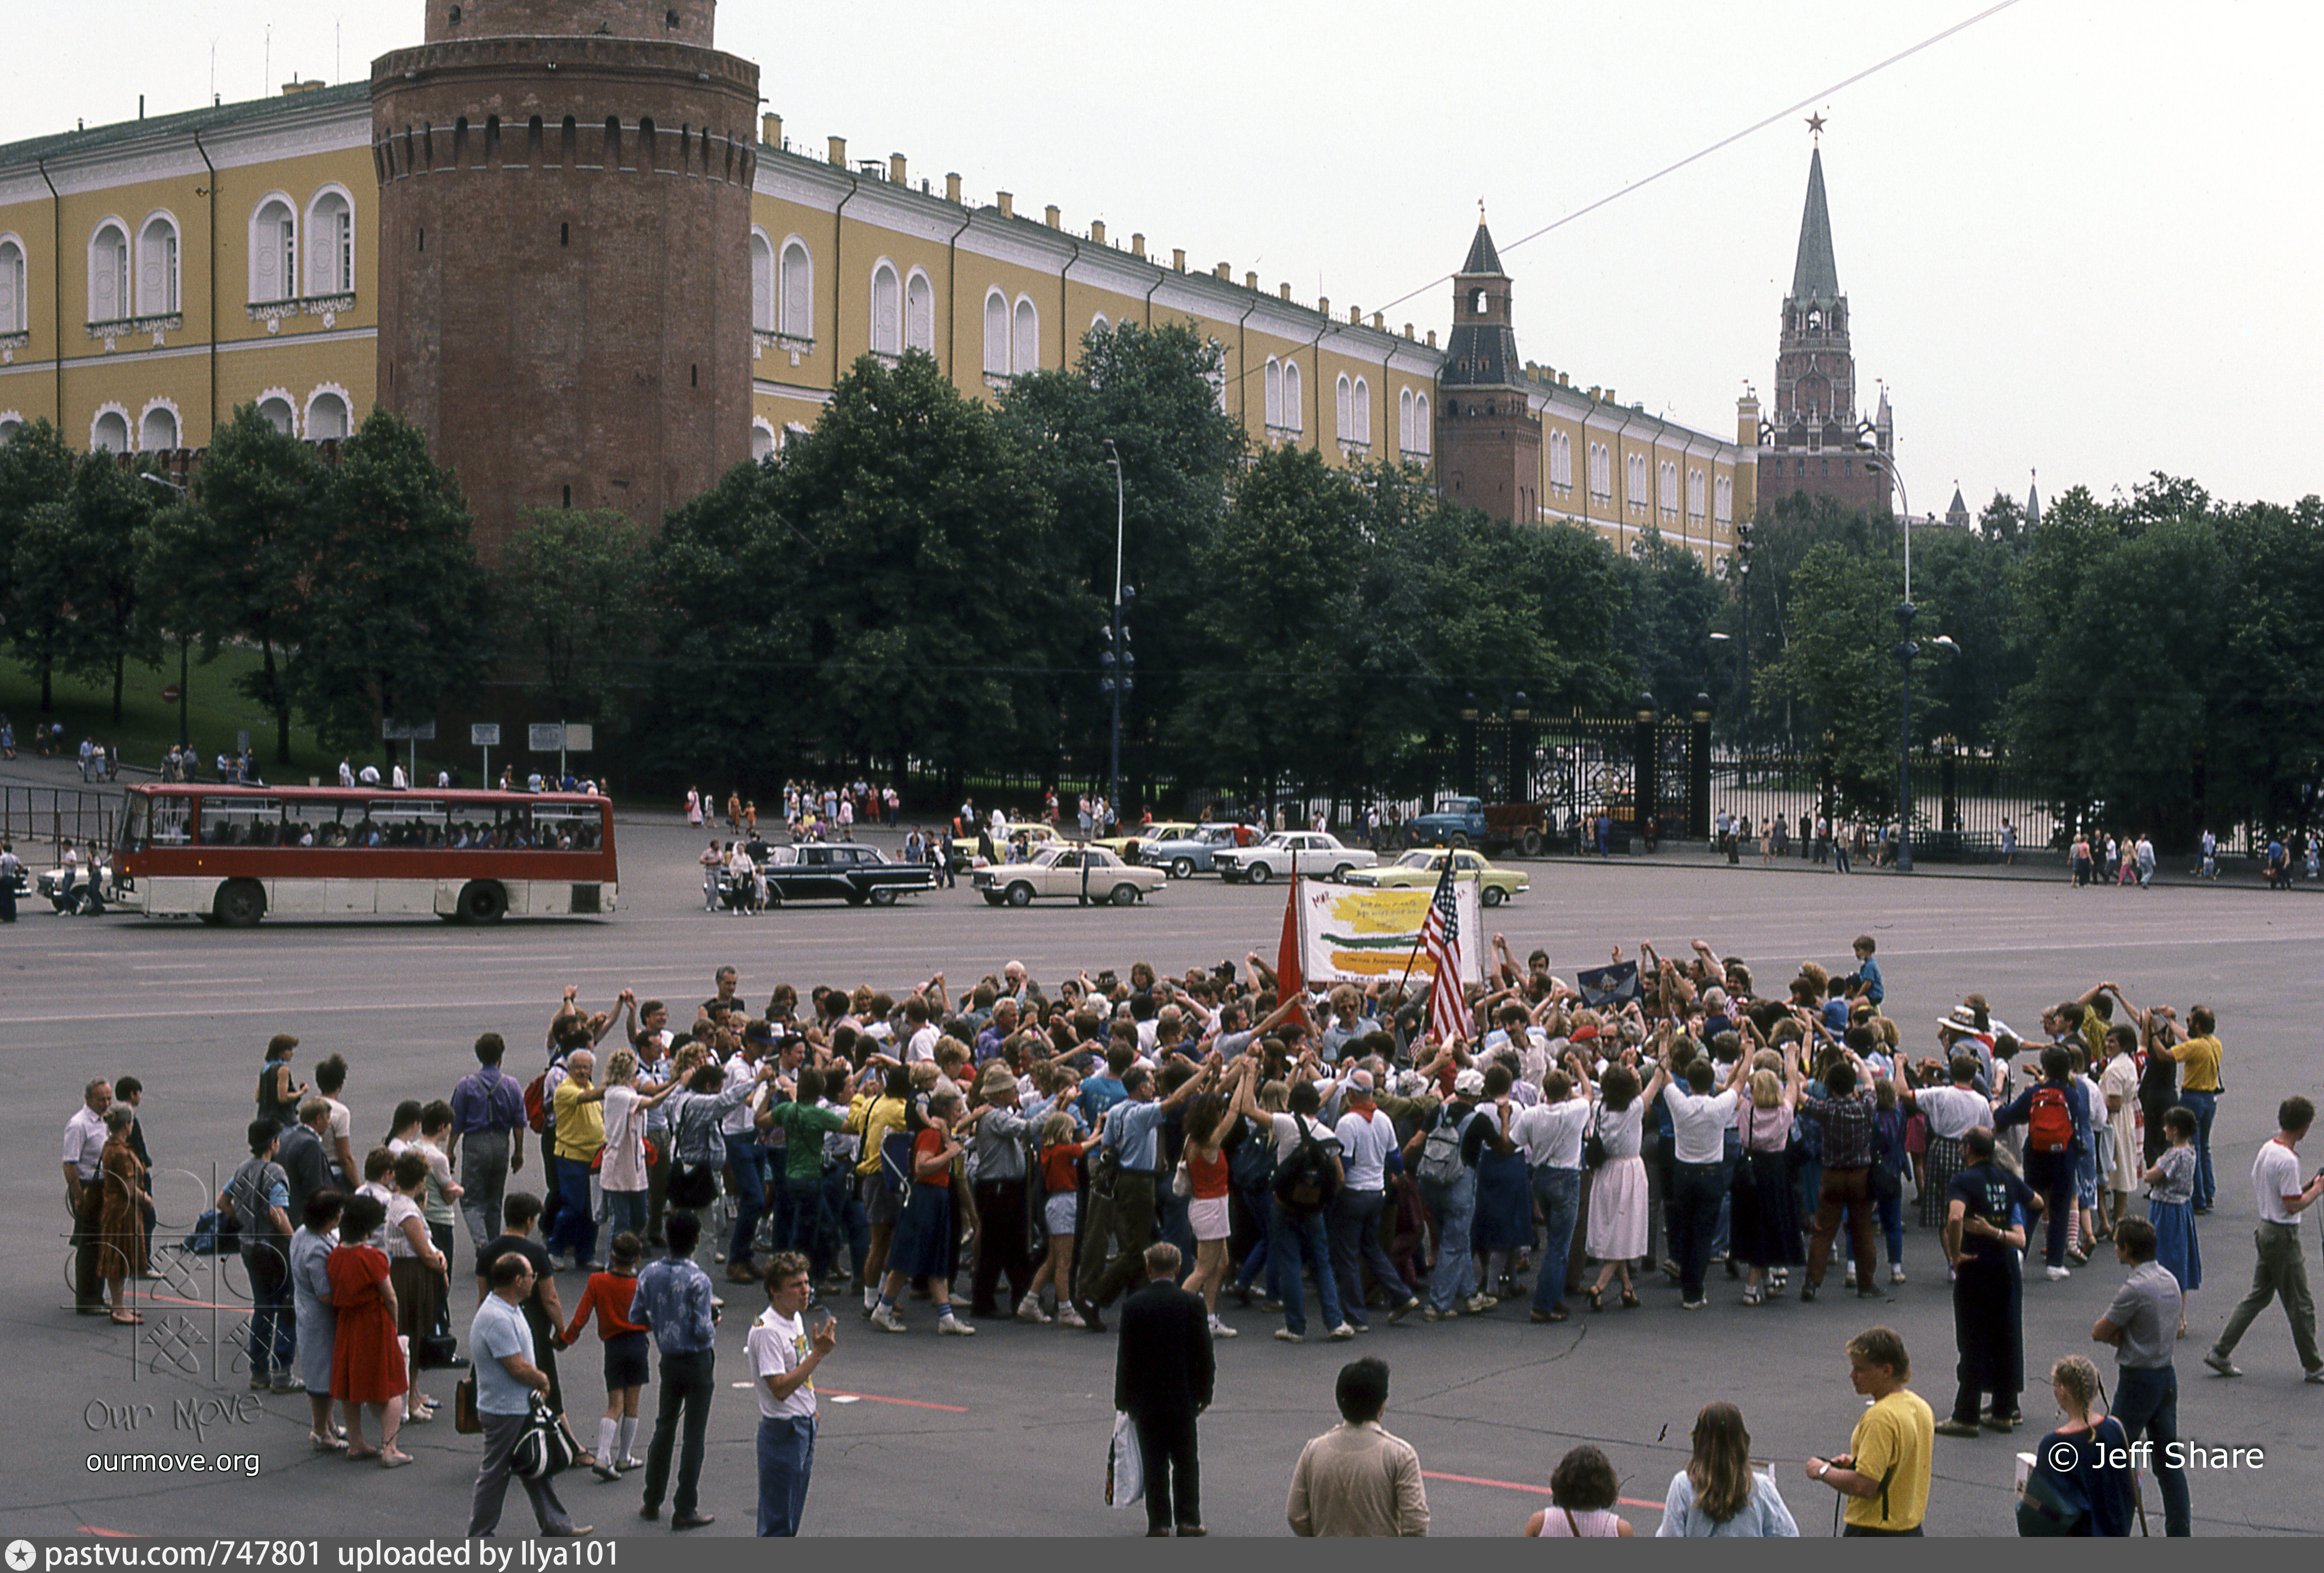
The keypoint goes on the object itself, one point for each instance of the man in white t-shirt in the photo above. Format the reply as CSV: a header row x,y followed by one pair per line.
x,y
2280,1270
1551,1134
1367,1145
1699,1120
783,1358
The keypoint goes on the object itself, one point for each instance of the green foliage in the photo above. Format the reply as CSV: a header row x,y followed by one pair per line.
x,y
396,615
572,592
1836,669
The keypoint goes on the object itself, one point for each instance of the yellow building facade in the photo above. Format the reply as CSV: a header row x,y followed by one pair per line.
x,y
156,274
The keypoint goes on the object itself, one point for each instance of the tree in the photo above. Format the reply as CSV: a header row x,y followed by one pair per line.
x,y
36,473
939,602
236,563
397,612
1836,669
572,589
76,572
1673,600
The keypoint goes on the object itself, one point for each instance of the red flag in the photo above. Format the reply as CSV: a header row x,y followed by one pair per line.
x,y
1289,980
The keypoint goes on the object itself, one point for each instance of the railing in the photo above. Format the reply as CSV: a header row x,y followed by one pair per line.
x,y
36,816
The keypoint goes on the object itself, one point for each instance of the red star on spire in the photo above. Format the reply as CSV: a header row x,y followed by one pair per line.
x,y
1815,125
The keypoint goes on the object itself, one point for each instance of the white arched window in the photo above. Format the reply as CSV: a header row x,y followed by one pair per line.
x,y
157,267
1634,480
798,318
1025,340
1694,493
996,334
327,416
1343,405
274,251
1404,419
1363,412
12,285
763,440
763,294
331,243
157,433
279,414
1724,494
1560,460
1101,323
109,432
108,281
1667,486
1601,471
1293,405
1274,392
887,310
919,313
1424,436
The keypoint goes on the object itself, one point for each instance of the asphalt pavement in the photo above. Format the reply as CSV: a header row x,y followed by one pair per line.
x,y
1004,1434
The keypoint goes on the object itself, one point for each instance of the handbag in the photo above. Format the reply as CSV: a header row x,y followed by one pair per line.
x,y
547,1448
438,1350
465,1418
1593,1146
1182,1180
1125,1465
692,1185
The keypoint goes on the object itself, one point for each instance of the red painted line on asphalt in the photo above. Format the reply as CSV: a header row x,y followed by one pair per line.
x,y
1517,1485
908,1402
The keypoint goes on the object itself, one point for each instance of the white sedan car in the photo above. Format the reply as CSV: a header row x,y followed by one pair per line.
x,y
1291,853
1083,873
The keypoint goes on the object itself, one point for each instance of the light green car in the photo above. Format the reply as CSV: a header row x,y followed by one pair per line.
x,y
1425,866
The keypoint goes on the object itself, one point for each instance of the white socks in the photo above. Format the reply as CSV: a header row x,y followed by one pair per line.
x,y
629,1437
605,1454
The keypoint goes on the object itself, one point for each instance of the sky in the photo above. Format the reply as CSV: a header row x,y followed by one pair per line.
x,y
2072,234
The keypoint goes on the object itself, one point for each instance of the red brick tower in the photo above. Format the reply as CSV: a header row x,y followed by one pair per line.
x,y
1487,437
565,190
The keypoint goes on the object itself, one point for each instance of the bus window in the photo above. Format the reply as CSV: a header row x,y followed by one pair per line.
x,y
137,826
173,821
307,825
241,822
408,823
565,826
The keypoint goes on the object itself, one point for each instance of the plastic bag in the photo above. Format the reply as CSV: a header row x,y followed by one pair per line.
x,y
1125,1465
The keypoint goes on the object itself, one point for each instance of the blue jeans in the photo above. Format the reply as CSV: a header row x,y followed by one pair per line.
x,y
1730,1154
577,1228
1260,1205
2050,1176
786,1461
1454,1209
1298,1243
2147,1399
2203,1106
626,1210
273,1333
1355,1217
751,1196
1559,1192
847,1210
1694,1207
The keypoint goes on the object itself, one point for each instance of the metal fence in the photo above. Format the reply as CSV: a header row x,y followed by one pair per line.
x,y
47,817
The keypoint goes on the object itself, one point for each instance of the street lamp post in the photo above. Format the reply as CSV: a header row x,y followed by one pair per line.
x,y
1905,651
184,671
1116,660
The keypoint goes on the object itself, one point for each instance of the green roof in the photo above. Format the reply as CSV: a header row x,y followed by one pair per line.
x,y
1815,276
216,116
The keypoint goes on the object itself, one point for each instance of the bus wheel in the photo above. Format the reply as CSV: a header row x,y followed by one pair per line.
x,y
481,901
240,904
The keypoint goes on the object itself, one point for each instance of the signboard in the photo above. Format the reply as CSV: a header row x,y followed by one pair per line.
x,y
545,737
484,734
170,694
580,736
404,731
1353,936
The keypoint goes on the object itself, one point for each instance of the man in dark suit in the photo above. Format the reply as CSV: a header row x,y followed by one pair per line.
x,y
1162,1379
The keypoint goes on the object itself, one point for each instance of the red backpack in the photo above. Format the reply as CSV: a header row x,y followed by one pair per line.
x,y
2050,1120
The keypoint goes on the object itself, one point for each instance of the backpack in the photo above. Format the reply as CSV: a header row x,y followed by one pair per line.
x,y
1253,1161
1440,1155
896,1160
1306,1181
246,1193
2050,1120
536,1103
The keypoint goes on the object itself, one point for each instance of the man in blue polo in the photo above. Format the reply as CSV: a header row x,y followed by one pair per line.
x,y
487,1121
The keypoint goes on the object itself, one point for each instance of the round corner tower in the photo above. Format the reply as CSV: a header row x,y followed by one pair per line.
x,y
565,213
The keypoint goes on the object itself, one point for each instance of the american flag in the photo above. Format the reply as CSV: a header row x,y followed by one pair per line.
x,y
1440,936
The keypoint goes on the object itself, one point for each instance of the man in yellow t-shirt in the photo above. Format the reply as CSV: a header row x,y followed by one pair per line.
x,y
1885,1473
2198,1089
871,1117
580,1137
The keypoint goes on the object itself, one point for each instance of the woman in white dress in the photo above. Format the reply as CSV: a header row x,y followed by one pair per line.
x,y
1617,1192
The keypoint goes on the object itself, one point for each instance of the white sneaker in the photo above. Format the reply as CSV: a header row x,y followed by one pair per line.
x,y
886,1320
1287,1335
1477,1304
956,1328
1067,1317
1220,1330
2057,1273
1343,1333
1896,1274
1029,1310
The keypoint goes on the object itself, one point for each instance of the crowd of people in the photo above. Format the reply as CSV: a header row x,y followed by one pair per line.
x,y
1043,1151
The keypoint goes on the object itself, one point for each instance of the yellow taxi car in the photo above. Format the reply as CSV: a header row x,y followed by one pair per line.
x,y
1425,866
1015,841
1145,835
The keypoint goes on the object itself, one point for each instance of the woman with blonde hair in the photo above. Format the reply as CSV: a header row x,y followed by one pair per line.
x,y
1764,1216
2081,1482
1719,1493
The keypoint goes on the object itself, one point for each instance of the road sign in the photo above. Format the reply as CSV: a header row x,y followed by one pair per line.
x,y
580,736
545,737
169,695
484,734
398,732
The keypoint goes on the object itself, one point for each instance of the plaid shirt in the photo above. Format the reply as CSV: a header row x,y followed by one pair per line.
x,y
1847,1128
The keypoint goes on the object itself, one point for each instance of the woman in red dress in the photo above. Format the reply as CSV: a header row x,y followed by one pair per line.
x,y
367,1365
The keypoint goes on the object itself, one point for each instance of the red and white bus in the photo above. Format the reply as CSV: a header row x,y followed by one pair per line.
x,y
235,854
